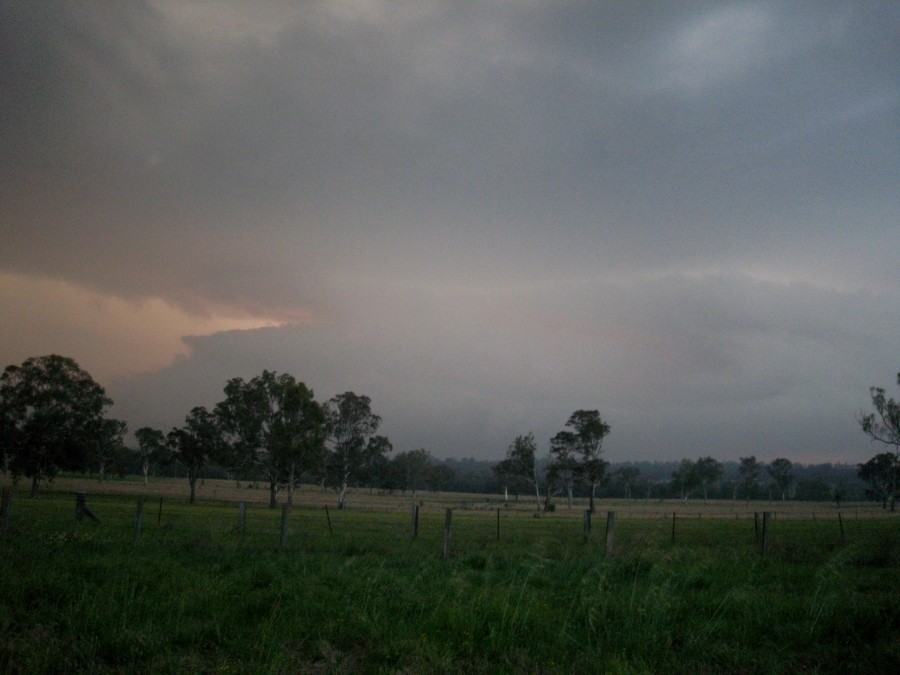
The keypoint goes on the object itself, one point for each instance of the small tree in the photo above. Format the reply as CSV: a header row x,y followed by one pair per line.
x,y
563,468
194,444
749,475
883,426
780,471
151,447
107,445
882,473
351,426
709,471
52,411
589,431
686,478
520,456
628,476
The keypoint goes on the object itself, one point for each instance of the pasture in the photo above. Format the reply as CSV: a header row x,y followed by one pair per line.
x,y
352,591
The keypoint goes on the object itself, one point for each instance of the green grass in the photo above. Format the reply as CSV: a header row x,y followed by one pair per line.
x,y
196,595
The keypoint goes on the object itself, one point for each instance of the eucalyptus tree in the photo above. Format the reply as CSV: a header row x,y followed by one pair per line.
x,y
686,478
780,471
107,444
151,447
273,422
52,411
563,467
195,443
883,426
520,457
589,430
709,471
748,472
882,473
628,476
354,448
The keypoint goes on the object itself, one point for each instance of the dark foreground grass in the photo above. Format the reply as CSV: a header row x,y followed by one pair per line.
x,y
196,595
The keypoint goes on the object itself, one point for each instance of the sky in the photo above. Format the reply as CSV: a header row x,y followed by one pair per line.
x,y
482,215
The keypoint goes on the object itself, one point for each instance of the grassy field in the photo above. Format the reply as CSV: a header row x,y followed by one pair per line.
x,y
195,594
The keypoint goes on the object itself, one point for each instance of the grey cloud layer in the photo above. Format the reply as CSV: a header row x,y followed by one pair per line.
x,y
560,200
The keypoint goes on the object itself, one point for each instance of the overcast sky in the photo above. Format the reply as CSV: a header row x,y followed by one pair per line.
x,y
483,215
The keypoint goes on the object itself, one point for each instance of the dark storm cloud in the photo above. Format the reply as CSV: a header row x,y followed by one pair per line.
x,y
487,214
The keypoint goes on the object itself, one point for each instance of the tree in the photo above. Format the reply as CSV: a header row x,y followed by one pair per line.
x,y
589,430
351,426
563,467
748,470
687,478
520,456
194,444
410,467
883,426
107,446
628,476
506,474
780,471
709,471
52,411
882,473
151,447
271,421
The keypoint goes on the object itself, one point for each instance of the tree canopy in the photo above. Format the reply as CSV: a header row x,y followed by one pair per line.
x,y
53,414
883,426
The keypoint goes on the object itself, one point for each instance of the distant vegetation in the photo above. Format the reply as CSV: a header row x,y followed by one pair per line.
x,y
270,429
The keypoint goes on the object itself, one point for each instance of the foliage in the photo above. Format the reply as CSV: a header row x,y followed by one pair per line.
x,y
749,471
194,444
520,461
882,473
883,426
781,472
53,414
272,421
563,467
588,431
151,448
355,450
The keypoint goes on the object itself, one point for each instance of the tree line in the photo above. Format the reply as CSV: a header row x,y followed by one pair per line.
x,y
53,417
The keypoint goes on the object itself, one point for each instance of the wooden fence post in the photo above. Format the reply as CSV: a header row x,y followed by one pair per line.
x,y
242,517
498,525
756,527
764,549
415,521
159,515
841,523
673,527
328,518
81,509
447,522
586,518
139,519
610,531
5,509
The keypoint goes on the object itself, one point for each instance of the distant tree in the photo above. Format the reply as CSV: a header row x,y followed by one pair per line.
x,y
351,429
439,476
780,471
151,448
749,470
882,473
628,476
411,467
520,456
563,468
52,411
883,426
589,430
272,421
107,446
196,443
505,471
686,478
709,471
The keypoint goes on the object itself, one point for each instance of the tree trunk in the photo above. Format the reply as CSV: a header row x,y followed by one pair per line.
x,y
569,491
593,489
505,494
145,466
102,473
192,479
343,495
35,479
